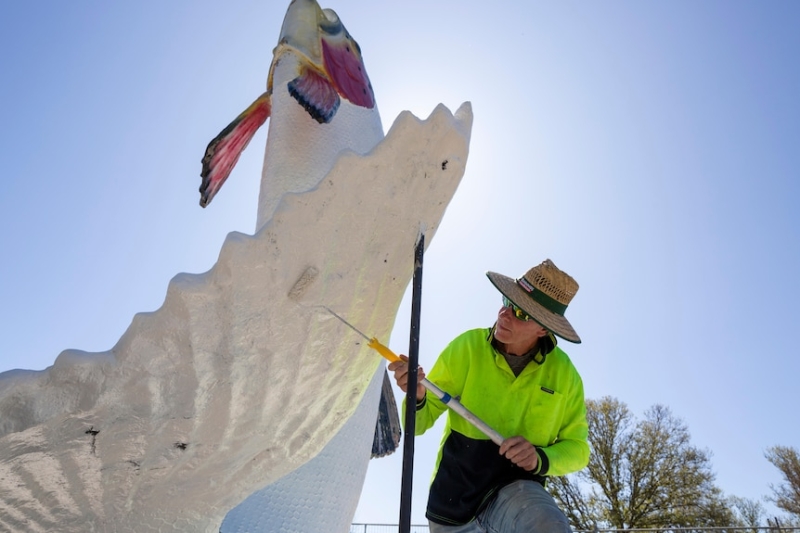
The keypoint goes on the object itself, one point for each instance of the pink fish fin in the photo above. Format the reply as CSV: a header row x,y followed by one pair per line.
x,y
345,66
224,150
314,92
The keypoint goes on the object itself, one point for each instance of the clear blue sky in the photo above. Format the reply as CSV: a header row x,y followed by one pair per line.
x,y
651,149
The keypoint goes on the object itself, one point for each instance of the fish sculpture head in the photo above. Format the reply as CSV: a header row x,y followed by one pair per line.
x,y
321,38
329,67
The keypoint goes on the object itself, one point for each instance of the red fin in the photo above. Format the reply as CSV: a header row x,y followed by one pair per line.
x,y
224,150
346,68
315,93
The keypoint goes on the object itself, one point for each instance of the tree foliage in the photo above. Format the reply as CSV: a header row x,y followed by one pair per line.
x,y
641,474
750,513
786,496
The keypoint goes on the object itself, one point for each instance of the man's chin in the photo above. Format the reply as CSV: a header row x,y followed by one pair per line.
x,y
501,334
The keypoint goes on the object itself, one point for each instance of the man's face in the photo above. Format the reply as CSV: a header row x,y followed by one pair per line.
x,y
510,330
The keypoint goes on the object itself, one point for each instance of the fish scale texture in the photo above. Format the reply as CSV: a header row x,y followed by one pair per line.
x,y
302,500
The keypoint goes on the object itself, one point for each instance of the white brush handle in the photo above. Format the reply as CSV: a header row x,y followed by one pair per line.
x,y
468,415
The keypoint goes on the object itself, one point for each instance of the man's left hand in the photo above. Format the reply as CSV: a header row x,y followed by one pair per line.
x,y
520,452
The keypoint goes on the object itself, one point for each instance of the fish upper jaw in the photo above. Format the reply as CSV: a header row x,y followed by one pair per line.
x,y
301,28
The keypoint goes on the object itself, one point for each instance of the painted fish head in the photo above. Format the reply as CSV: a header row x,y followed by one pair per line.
x,y
324,66
321,39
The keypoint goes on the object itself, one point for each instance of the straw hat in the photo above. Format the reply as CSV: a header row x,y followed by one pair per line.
x,y
544,292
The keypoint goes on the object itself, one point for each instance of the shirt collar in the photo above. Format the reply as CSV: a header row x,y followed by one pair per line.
x,y
538,354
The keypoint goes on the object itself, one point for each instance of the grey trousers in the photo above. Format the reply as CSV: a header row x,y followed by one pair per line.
x,y
521,507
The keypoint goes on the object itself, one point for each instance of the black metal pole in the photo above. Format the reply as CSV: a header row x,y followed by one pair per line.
x,y
411,395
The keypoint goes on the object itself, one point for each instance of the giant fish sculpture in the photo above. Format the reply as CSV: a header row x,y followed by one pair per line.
x,y
232,386
317,63
319,101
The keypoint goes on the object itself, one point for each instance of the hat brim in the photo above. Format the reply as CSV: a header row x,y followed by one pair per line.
x,y
553,322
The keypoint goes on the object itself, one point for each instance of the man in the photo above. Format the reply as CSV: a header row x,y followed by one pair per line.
x,y
514,378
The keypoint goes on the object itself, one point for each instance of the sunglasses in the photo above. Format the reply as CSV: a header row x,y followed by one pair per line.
x,y
519,313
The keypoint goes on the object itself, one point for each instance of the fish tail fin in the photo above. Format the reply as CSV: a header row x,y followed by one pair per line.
x,y
224,150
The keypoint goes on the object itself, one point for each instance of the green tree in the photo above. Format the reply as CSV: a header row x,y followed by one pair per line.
x,y
786,496
750,513
641,474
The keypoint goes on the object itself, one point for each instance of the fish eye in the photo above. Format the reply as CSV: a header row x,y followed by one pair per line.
x,y
331,25
331,15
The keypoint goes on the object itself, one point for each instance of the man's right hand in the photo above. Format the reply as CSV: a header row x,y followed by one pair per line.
x,y
400,370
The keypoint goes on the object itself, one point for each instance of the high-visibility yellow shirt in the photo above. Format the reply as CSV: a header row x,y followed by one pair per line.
x,y
545,404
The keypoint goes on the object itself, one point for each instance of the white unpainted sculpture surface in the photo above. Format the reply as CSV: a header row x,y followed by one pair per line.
x,y
232,386
321,495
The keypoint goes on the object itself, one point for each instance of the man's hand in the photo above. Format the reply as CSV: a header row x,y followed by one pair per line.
x,y
400,369
520,452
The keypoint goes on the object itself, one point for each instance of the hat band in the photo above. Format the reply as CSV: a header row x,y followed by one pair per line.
x,y
541,298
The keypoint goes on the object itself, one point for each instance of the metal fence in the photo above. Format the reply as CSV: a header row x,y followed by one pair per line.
x,y
386,528
423,528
